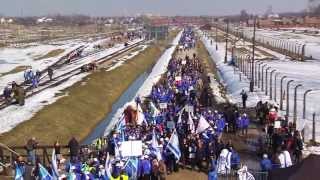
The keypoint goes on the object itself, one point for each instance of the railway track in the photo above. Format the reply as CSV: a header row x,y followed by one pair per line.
x,y
47,83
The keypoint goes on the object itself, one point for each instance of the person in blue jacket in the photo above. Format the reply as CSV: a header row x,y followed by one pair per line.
x,y
146,167
220,124
235,159
265,163
245,123
212,175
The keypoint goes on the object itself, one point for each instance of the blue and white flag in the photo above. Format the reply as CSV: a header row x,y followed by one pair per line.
x,y
117,151
18,173
155,146
44,174
55,173
190,123
132,167
173,145
180,115
202,125
121,123
154,111
107,167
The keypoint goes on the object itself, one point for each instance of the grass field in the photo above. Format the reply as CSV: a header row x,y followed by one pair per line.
x,y
86,105
50,54
15,70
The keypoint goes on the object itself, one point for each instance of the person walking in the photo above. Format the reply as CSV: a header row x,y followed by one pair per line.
x,y
31,147
265,163
212,175
244,97
50,73
74,149
57,150
245,124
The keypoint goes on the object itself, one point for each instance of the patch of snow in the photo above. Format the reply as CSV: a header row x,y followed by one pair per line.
x,y
305,73
311,150
216,89
11,116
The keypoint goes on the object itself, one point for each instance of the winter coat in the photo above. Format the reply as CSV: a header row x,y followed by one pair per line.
x,y
266,165
74,147
213,175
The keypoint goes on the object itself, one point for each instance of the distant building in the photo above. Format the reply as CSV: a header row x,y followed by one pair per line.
x,y
312,21
2,21
6,21
157,27
44,20
157,32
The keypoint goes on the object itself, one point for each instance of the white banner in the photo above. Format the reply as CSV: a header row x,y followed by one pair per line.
x,y
131,148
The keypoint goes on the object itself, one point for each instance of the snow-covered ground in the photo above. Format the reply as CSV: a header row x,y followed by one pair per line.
x,y
268,35
159,68
14,115
15,57
305,73
216,89
11,58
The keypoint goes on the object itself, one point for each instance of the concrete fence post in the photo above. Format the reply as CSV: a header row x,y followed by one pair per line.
x,y
288,96
314,128
267,80
262,72
281,92
275,86
295,103
271,73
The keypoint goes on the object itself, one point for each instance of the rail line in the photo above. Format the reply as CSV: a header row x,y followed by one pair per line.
x,y
73,72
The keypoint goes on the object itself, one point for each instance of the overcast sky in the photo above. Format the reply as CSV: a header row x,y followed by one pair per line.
x,y
132,7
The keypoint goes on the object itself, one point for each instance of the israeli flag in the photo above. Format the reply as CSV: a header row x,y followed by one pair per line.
x,y
190,123
55,173
173,145
202,125
132,167
107,167
117,151
155,146
18,173
154,111
44,174
121,123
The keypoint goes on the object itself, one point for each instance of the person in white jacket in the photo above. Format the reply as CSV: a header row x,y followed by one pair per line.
x,y
224,162
285,159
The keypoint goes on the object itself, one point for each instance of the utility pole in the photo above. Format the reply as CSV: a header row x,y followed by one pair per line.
x,y
217,37
253,49
227,36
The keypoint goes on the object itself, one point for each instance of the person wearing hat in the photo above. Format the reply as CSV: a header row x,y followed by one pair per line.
x,y
265,163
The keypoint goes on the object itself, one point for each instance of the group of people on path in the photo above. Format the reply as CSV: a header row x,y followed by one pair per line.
x,y
16,93
177,128
280,144
175,124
